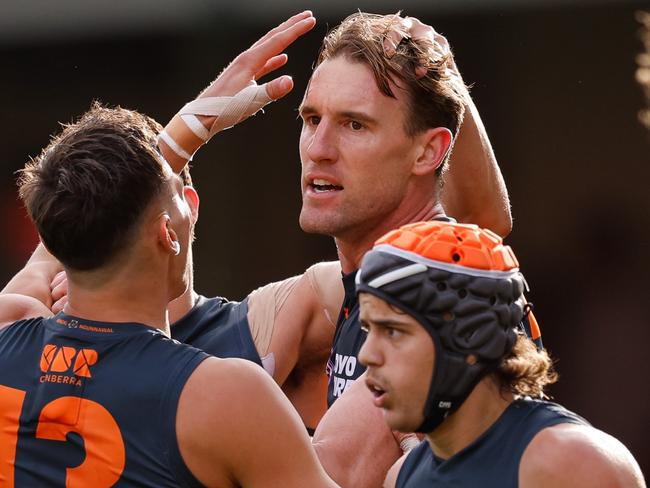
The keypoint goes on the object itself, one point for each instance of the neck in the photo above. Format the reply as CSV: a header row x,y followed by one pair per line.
x,y
179,307
129,294
482,408
351,248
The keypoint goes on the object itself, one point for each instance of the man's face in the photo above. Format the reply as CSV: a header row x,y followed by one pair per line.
x,y
399,354
356,156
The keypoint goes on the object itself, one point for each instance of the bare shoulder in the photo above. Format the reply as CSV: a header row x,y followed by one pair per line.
x,y
569,455
393,472
14,307
325,279
231,411
215,380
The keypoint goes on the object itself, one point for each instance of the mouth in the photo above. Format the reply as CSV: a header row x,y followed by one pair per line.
x,y
377,392
321,185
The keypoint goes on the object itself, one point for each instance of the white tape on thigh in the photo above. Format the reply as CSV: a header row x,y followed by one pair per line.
x,y
228,111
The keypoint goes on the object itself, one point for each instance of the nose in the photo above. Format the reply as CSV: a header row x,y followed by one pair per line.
x,y
370,352
320,143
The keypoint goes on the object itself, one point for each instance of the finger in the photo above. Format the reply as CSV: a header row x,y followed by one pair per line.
x,y
418,30
284,25
279,87
58,278
277,43
60,290
398,29
271,65
59,304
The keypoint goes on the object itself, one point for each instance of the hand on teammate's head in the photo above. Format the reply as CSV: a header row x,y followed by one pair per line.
x,y
59,292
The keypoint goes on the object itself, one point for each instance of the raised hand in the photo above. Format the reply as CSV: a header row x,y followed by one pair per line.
x,y
262,58
234,95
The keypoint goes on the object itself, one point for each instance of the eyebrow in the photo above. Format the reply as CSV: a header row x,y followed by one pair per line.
x,y
348,114
385,322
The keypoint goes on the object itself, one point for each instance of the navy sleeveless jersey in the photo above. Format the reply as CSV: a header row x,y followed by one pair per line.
x,y
492,461
86,403
343,367
218,327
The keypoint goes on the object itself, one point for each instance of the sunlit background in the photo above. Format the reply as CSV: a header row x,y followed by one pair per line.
x,y
554,81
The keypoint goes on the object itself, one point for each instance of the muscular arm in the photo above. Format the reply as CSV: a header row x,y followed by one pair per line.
x,y
18,307
474,190
35,277
28,293
236,428
353,442
294,320
577,456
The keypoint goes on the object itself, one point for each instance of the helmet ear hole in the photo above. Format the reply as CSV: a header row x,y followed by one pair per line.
x,y
471,359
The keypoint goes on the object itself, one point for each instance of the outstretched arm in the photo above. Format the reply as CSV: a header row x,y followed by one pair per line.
x,y
183,137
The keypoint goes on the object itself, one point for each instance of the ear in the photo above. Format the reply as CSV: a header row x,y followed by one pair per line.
x,y
434,146
167,237
192,199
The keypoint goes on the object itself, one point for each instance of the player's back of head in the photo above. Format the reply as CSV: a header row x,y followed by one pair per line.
x,y
88,189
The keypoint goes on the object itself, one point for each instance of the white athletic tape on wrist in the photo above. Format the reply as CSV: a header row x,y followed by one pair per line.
x,y
169,140
228,111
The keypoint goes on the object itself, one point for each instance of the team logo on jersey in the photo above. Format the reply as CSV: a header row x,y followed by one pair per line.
x,y
65,364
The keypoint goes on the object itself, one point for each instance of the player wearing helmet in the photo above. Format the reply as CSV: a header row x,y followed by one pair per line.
x,y
445,356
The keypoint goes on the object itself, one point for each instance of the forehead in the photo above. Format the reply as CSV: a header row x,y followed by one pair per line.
x,y
343,85
373,308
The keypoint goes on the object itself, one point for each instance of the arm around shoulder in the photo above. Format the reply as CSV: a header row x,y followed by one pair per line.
x,y
236,428
578,456
15,307
35,277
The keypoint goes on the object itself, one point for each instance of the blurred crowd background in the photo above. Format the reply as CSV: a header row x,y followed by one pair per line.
x,y
553,80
